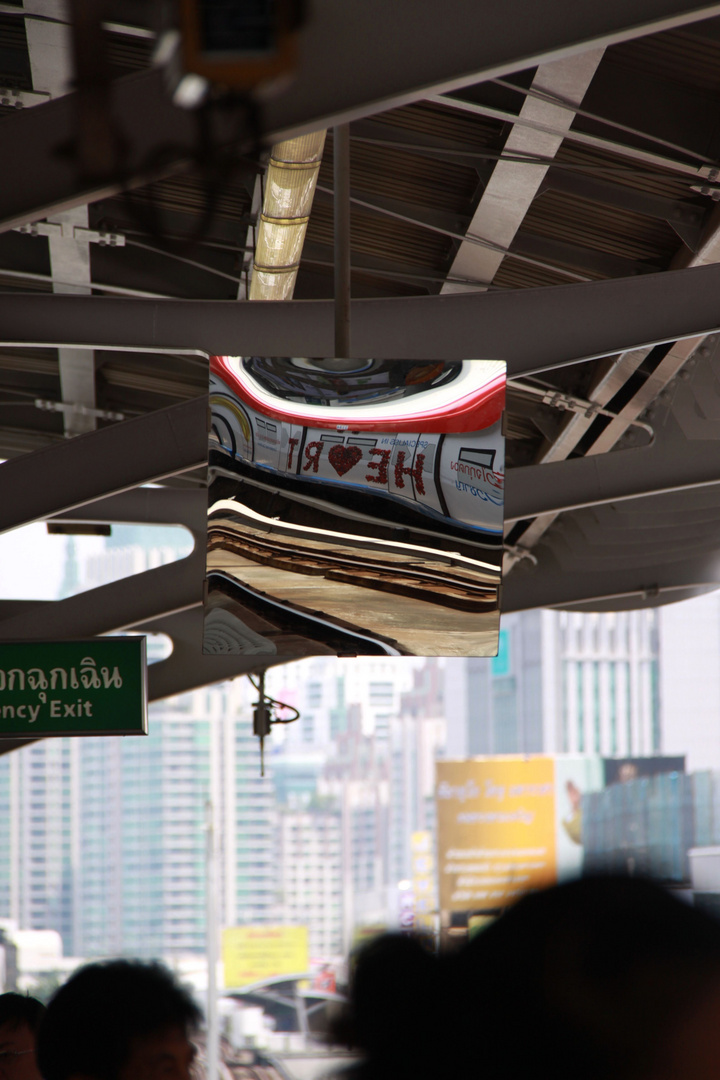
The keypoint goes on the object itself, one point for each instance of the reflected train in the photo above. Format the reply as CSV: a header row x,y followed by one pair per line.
x,y
423,435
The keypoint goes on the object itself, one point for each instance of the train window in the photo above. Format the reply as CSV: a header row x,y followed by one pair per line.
x,y
475,456
336,381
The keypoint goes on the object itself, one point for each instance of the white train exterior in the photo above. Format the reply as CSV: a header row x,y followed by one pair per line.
x,y
456,475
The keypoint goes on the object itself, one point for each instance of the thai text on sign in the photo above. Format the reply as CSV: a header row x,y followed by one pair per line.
x,y
73,687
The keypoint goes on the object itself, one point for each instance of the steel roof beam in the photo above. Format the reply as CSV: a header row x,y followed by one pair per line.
x,y
672,463
597,142
531,329
372,55
707,252
677,212
58,478
51,66
608,589
120,605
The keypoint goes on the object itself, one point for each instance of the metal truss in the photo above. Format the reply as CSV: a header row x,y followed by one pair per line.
x,y
358,58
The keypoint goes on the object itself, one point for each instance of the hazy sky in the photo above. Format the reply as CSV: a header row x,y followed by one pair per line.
x,y
32,562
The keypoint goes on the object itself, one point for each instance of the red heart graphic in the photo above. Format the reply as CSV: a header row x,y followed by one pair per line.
x,y
342,458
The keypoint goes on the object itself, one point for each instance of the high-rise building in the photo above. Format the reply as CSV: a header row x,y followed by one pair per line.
x,y
38,834
609,695
143,837
141,879
689,635
250,822
103,838
562,682
417,737
311,875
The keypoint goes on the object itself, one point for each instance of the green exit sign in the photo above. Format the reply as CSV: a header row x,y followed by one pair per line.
x,y
73,687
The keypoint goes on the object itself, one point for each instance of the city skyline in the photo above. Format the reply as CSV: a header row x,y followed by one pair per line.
x,y
103,839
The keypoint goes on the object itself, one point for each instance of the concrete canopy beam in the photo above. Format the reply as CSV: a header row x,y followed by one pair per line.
x,y
671,463
533,330
36,486
114,607
609,589
187,668
145,506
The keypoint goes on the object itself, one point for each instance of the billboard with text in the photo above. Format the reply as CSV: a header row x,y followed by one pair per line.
x,y
253,953
507,825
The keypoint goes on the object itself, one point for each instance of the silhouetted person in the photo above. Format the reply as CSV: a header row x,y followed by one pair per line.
x,y
604,979
598,979
20,1018
118,1020
394,1015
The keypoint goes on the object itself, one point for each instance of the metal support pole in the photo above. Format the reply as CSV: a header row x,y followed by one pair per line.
x,y
213,1032
261,720
341,207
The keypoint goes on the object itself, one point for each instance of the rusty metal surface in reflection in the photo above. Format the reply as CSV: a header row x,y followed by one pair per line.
x,y
355,507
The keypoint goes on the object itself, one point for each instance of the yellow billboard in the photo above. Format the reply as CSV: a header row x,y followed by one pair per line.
x,y
253,953
423,879
496,830
507,825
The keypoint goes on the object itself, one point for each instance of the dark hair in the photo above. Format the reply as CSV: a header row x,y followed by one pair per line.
x,y
395,994
19,1009
92,1020
586,979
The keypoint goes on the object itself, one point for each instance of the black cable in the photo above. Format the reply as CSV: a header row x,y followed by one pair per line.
x,y
214,166
535,159
277,705
562,103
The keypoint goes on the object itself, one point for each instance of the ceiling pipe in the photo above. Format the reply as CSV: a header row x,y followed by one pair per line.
x,y
290,184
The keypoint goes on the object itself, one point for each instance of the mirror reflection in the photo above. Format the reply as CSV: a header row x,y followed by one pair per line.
x,y
355,506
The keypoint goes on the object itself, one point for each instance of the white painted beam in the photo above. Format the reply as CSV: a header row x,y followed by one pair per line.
x,y
50,51
513,185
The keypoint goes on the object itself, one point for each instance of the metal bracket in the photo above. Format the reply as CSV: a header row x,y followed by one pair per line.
x,y
20,99
713,187
569,403
77,409
72,232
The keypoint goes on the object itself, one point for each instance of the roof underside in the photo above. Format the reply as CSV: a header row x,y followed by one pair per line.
x,y
626,189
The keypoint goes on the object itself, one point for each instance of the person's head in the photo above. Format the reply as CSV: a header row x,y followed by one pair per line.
x,y
394,1002
118,1020
20,1017
600,978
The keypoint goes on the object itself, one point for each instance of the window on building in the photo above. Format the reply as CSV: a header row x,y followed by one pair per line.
x,y
580,671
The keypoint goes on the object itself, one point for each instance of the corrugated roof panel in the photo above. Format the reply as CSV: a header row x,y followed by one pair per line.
x,y
188,194
374,234
513,274
442,122
14,61
601,228
685,56
129,52
403,175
